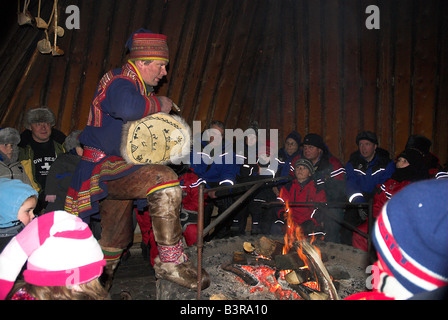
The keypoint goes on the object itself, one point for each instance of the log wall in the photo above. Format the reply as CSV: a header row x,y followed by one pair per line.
x,y
305,65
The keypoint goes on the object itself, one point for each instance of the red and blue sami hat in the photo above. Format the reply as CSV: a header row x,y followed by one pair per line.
x,y
411,236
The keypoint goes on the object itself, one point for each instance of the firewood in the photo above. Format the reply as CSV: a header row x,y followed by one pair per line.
x,y
299,276
245,276
317,266
288,261
239,258
267,247
308,293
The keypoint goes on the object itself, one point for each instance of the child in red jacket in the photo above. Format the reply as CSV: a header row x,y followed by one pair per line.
x,y
301,189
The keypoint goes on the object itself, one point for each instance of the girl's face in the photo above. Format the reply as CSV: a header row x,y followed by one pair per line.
x,y
402,163
6,149
26,211
291,146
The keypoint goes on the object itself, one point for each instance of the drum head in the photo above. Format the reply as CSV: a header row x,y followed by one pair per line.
x,y
159,138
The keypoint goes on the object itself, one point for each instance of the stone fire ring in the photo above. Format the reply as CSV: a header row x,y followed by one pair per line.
x,y
344,262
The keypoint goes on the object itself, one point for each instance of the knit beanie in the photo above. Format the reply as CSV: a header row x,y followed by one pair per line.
x,y
60,249
411,236
306,163
13,193
36,115
146,45
296,136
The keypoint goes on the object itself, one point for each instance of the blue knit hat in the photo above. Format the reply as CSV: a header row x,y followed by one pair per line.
x,y
411,236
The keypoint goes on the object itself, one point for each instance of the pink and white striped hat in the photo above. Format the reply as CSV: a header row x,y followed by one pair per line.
x,y
60,249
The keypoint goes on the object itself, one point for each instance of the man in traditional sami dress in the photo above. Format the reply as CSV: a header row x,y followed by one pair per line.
x,y
105,185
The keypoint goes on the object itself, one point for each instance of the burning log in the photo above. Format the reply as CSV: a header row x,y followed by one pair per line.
x,y
289,261
320,272
245,276
299,276
308,293
267,247
241,258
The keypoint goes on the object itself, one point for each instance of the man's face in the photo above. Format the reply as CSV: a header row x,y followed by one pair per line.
x,y
41,131
311,153
367,149
152,72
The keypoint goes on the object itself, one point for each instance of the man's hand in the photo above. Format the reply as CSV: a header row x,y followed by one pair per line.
x,y
165,104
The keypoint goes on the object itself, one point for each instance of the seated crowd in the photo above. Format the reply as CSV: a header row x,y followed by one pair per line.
x,y
304,186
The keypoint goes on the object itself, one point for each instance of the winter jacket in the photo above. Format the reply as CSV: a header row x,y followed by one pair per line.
x,y
387,190
301,192
329,175
363,176
59,179
215,169
26,156
12,169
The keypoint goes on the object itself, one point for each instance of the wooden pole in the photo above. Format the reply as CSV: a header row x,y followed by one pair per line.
x,y
200,240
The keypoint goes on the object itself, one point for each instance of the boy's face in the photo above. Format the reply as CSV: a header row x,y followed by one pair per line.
x,y
302,173
6,149
26,211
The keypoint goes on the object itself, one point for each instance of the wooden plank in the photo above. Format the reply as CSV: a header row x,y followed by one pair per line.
x,y
332,74
369,70
385,100
92,65
289,62
353,22
425,65
402,77
79,46
271,82
222,28
200,51
440,134
250,36
300,97
180,73
315,68
176,11
233,62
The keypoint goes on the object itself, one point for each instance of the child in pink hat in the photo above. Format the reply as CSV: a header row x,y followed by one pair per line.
x,y
64,261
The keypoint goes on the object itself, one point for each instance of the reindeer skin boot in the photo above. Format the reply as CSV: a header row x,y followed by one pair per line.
x,y
172,263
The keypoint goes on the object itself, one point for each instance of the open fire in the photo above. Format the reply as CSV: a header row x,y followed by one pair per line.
x,y
291,270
